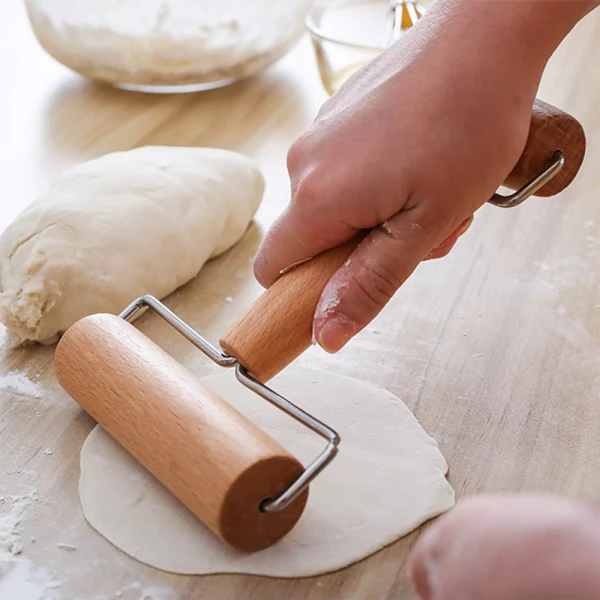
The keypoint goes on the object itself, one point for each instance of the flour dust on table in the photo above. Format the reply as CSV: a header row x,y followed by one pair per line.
x,y
388,478
126,224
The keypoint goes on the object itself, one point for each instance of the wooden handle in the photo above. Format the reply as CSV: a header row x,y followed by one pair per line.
x,y
551,129
215,461
278,327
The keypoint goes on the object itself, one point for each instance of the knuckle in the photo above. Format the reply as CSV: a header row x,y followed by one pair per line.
x,y
297,152
429,220
436,220
308,190
293,156
383,280
374,285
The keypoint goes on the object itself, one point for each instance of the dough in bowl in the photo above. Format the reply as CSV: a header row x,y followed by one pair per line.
x,y
129,223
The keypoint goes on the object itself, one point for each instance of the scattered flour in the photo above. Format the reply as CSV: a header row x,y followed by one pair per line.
x,y
22,582
329,301
568,272
12,509
10,541
592,243
67,547
154,592
149,592
391,231
17,382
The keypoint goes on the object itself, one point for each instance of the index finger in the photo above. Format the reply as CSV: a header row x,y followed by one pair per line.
x,y
299,234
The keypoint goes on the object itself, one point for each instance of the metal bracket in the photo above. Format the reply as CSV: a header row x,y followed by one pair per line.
x,y
529,189
270,505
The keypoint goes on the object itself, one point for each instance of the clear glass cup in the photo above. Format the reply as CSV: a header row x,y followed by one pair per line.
x,y
346,34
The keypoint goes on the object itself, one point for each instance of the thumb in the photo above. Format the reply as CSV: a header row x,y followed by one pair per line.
x,y
380,264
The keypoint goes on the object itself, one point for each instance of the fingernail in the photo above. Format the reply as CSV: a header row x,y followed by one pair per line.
x,y
421,578
336,332
444,248
294,265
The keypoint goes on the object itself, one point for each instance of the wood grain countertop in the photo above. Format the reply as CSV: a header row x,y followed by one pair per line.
x,y
496,349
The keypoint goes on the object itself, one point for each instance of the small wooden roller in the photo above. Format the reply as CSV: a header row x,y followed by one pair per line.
x,y
243,485
214,460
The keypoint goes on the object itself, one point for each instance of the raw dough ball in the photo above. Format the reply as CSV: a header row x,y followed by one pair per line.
x,y
388,478
111,229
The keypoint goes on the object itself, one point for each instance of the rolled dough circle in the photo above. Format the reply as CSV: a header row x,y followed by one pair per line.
x,y
388,478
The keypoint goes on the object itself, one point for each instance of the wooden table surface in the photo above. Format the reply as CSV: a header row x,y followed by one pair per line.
x,y
496,349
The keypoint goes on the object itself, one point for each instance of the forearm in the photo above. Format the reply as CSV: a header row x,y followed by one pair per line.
x,y
525,31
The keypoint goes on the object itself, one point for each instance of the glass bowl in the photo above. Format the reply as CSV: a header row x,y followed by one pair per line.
x,y
346,34
168,45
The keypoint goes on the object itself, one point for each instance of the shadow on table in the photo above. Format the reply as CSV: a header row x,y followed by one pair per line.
x,y
85,119
210,302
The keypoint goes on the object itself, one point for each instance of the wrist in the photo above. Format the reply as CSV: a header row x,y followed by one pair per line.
x,y
524,31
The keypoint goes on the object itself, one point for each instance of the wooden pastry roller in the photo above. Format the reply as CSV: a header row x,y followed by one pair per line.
x,y
242,484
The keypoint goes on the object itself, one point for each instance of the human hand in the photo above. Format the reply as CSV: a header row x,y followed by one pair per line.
x,y
510,547
409,148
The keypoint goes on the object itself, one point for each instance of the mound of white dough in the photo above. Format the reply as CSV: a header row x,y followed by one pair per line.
x,y
111,229
388,478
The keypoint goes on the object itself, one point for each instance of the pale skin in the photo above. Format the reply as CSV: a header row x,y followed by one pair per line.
x,y
408,149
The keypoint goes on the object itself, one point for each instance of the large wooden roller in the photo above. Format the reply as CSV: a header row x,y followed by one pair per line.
x,y
244,486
